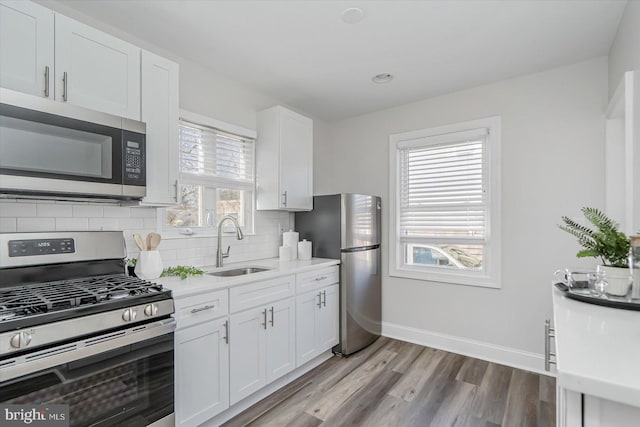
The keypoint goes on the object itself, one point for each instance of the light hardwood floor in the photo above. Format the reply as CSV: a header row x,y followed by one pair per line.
x,y
395,383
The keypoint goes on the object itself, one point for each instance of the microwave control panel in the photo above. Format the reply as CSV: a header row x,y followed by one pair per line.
x,y
134,159
41,247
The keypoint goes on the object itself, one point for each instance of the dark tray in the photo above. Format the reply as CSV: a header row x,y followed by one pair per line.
x,y
584,295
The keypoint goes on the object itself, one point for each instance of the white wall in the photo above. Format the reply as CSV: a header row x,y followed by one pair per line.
x,y
552,164
625,50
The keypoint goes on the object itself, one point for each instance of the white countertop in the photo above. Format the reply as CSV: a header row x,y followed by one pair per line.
x,y
598,349
206,283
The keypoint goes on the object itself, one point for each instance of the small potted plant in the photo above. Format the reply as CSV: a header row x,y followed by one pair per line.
x,y
131,266
605,242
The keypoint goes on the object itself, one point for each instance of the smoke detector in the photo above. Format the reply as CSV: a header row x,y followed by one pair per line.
x,y
352,15
382,78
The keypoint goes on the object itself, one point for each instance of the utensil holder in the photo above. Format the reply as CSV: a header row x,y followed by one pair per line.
x,y
149,265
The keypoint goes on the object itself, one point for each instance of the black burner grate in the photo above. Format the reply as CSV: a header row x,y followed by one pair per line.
x,y
22,301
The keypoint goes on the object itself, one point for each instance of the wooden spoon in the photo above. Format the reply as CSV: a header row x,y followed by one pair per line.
x,y
153,241
139,242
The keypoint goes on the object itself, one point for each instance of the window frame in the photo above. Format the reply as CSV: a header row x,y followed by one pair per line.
x,y
210,230
490,276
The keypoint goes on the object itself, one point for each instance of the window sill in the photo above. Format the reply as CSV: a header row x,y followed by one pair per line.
x,y
456,278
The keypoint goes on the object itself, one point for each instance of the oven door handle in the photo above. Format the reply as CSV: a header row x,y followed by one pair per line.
x,y
111,349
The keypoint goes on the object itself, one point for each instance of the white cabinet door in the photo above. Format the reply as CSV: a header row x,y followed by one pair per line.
x,y
96,70
160,113
306,326
316,323
280,351
606,413
328,318
296,160
247,343
202,374
284,160
26,48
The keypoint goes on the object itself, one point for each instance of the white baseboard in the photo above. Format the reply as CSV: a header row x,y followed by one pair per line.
x,y
515,358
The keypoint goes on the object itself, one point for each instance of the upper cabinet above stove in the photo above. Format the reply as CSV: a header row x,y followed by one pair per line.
x,y
284,160
85,67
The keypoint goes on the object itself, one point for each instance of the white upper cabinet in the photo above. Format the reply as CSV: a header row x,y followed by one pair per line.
x,y
284,160
96,70
26,48
160,113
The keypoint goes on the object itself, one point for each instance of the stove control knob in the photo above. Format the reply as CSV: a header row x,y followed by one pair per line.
x,y
20,340
151,310
129,315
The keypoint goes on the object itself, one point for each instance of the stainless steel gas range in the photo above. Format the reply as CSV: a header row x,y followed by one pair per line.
x,y
74,330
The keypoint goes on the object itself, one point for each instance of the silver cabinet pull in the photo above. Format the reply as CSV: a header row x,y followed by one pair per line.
x,y
324,298
319,299
284,199
264,313
549,333
206,307
176,197
272,315
46,81
320,278
226,332
65,83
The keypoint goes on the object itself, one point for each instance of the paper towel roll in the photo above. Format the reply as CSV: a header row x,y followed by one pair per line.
x,y
290,238
304,250
285,253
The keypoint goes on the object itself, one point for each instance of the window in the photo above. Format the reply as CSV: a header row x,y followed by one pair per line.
x,y
216,178
445,199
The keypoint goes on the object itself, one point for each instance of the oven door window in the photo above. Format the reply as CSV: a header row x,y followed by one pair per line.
x,y
49,146
127,386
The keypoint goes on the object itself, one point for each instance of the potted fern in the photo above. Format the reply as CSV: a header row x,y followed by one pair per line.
x,y
606,242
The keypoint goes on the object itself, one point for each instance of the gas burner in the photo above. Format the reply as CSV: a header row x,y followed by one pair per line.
x,y
6,314
118,295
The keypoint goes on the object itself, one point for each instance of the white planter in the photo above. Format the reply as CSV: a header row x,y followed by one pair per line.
x,y
149,265
618,280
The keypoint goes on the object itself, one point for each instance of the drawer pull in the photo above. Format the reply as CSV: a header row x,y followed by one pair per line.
x,y
206,307
321,278
226,332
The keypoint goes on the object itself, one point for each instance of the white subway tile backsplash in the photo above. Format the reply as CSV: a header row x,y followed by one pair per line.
x,y
130,223
53,210
88,211
198,251
103,224
72,224
116,212
8,225
20,209
143,212
35,224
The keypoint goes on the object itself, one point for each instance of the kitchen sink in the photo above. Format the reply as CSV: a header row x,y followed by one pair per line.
x,y
238,271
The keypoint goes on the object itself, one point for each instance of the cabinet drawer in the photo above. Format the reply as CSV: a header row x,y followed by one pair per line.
x,y
317,279
254,294
202,307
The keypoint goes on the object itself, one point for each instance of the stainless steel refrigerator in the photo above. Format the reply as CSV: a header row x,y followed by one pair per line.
x,y
347,227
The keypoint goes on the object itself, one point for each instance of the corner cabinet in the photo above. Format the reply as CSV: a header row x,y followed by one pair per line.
x,y
284,160
27,48
159,82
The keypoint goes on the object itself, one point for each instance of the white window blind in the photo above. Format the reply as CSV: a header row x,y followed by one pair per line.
x,y
211,157
442,193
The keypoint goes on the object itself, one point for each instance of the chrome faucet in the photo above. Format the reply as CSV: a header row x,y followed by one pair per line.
x,y
221,255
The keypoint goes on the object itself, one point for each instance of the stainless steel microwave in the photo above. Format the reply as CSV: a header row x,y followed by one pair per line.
x,y
54,149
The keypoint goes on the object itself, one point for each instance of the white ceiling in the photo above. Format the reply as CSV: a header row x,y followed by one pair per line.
x,y
302,53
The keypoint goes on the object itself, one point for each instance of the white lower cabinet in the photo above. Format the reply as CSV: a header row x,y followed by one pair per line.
x,y
316,323
261,347
202,372
583,410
